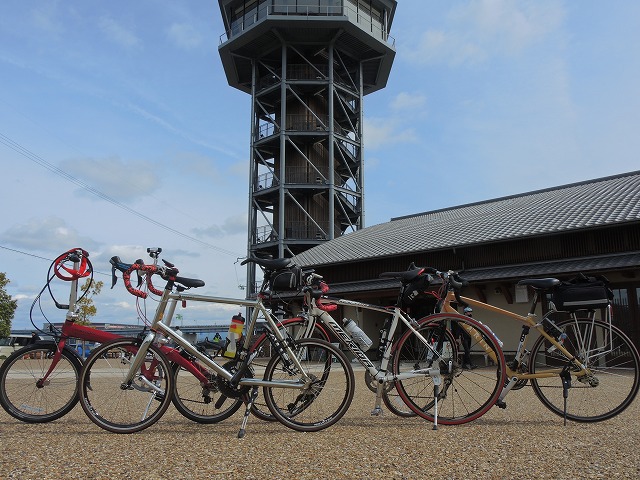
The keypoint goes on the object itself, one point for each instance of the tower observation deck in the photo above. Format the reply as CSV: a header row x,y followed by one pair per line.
x,y
307,65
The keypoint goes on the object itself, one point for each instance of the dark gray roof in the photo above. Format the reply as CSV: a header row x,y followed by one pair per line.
x,y
560,268
589,204
557,268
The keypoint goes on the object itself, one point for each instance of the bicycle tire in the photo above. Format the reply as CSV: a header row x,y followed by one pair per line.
x,y
294,326
201,403
117,408
323,402
464,394
393,400
615,373
395,404
25,398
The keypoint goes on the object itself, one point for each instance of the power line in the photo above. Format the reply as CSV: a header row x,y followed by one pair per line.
x,y
52,168
25,253
42,258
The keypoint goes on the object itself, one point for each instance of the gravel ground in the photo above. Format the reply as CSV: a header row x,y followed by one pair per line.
x,y
525,441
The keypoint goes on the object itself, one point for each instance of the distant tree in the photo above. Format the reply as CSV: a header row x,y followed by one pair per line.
x,y
7,307
86,308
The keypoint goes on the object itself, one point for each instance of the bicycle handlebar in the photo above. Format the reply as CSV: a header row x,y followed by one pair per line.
x,y
76,255
126,278
168,272
325,307
118,264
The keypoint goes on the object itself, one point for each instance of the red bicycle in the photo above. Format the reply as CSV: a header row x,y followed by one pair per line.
x,y
39,382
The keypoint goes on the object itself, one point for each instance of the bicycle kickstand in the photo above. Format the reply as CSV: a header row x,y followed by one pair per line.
x,y
377,409
437,381
565,375
247,412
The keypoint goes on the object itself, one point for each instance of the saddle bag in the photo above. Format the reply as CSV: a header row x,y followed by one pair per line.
x,y
417,296
286,280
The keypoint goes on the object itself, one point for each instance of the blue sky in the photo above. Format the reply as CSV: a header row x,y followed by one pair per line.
x,y
486,98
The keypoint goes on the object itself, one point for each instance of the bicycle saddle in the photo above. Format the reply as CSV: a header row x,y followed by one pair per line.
x,y
405,276
541,283
269,263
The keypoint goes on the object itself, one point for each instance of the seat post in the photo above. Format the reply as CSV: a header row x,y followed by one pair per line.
x,y
534,302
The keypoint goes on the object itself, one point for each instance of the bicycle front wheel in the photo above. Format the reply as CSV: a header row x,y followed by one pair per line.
x,y
295,328
121,407
24,392
609,355
396,405
326,390
464,394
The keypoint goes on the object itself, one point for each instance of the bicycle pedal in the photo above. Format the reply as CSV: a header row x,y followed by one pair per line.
x,y
501,404
376,412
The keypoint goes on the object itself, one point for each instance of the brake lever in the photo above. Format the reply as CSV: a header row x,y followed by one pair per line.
x,y
139,275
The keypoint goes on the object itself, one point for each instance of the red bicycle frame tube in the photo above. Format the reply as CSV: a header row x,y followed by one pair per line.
x,y
71,329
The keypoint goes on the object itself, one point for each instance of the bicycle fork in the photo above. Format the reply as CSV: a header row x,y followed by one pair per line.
x,y
136,364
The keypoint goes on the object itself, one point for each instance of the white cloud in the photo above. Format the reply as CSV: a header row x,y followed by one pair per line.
x,y
45,18
481,29
386,132
231,226
49,234
117,33
184,36
408,101
120,180
507,24
399,125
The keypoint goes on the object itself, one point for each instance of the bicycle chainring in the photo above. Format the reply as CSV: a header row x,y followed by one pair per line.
x,y
225,386
372,383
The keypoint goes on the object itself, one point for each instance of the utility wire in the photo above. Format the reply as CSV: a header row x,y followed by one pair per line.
x,y
40,161
43,258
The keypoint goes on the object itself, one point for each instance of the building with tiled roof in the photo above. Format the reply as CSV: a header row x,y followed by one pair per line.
x,y
591,227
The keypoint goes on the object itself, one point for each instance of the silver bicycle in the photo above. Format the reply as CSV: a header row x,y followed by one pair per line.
x,y
421,369
126,384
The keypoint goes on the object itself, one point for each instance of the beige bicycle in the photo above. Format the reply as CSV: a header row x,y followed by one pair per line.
x,y
581,367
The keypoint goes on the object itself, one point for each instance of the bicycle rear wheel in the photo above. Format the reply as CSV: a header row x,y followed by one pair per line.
x,y
23,393
118,407
296,328
201,403
464,394
610,356
326,396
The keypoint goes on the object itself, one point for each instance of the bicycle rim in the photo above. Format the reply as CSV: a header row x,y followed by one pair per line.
x,y
396,405
25,396
464,394
610,356
294,327
324,400
125,409
201,403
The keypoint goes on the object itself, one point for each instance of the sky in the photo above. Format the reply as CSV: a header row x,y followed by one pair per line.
x,y
119,131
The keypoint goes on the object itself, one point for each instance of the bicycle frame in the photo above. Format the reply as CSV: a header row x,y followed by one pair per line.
x,y
71,329
398,317
529,322
159,326
381,374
